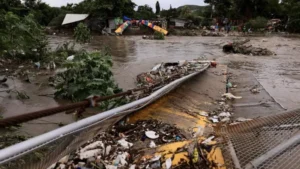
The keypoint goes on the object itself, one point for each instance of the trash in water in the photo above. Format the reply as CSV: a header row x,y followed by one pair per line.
x,y
240,47
164,71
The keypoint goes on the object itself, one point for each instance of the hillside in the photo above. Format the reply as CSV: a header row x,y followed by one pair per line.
x,y
193,8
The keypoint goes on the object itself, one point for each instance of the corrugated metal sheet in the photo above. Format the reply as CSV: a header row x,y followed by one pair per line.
x,y
71,18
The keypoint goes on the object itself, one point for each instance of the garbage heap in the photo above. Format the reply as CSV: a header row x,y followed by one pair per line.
x,y
243,48
136,146
163,73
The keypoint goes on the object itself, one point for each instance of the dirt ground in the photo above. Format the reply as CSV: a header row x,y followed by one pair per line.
x,y
277,77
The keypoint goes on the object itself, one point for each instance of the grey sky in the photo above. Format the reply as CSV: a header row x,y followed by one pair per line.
x,y
165,4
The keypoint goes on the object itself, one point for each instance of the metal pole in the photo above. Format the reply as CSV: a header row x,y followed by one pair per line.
x,y
20,149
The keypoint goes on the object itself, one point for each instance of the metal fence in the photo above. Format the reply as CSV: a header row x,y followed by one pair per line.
x,y
42,151
269,142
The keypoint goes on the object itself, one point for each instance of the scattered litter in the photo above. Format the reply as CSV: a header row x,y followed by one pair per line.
x,y
155,68
214,119
132,166
125,144
255,91
92,146
226,119
242,119
90,153
230,96
111,167
107,150
168,163
151,134
64,159
71,58
208,140
224,114
37,64
229,85
156,158
199,132
152,144
203,113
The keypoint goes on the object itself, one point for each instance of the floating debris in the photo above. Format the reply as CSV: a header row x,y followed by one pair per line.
x,y
240,47
163,71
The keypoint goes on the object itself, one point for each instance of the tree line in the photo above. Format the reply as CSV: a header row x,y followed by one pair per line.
x,y
286,10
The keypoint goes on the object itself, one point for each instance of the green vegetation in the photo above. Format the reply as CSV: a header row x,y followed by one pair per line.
x,y
157,5
145,12
159,36
21,37
82,33
88,74
257,23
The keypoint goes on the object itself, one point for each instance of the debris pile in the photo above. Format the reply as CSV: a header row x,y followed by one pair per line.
x,y
163,71
210,33
119,147
241,47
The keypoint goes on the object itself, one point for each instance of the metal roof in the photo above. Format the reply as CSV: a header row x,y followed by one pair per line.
x,y
71,18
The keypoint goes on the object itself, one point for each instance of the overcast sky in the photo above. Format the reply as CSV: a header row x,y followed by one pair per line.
x,y
165,4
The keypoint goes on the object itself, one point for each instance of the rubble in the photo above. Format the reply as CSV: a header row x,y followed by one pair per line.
x,y
241,47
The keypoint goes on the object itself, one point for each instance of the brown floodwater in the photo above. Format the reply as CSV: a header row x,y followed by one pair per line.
x,y
132,55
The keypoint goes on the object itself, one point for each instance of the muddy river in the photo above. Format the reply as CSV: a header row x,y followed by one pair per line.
x,y
279,75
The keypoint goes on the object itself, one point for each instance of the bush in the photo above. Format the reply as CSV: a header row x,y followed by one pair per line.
x,y
159,36
206,22
257,23
294,25
57,21
82,33
22,38
88,74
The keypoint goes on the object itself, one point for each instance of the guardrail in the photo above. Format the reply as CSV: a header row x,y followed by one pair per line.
x,y
44,150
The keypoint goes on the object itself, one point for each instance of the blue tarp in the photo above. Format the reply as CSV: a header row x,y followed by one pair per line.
x,y
125,18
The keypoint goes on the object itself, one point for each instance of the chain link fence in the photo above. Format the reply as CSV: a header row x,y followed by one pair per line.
x,y
263,143
44,155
